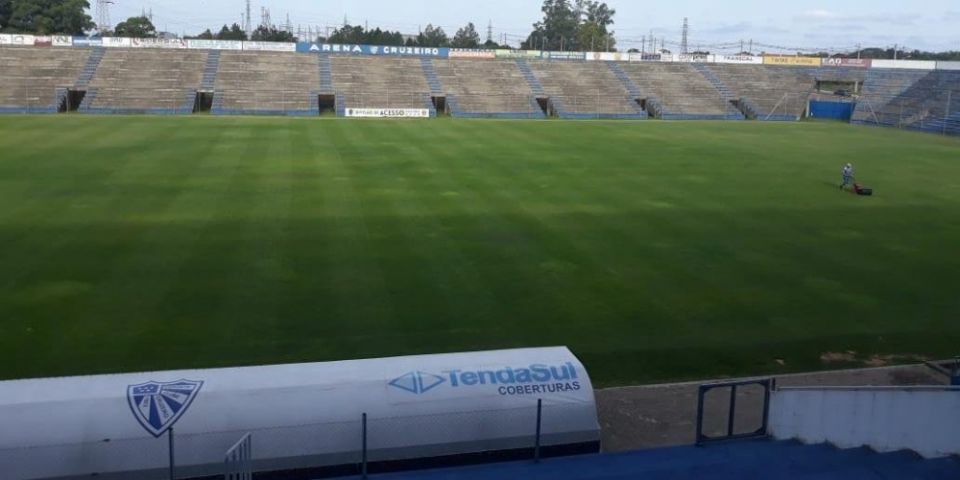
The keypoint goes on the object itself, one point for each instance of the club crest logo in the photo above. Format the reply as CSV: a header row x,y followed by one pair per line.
x,y
417,382
157,406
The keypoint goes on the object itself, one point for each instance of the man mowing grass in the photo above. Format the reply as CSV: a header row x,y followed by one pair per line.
x,y
847,176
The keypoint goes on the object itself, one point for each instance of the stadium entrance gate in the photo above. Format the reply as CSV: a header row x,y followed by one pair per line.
x,y
832,110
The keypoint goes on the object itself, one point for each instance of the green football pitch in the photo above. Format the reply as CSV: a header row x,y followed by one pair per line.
x,y
654,250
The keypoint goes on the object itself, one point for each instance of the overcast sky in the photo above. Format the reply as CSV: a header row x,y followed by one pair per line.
x,y
837,25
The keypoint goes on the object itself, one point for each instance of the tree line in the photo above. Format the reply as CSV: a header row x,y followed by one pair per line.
x,y
567,25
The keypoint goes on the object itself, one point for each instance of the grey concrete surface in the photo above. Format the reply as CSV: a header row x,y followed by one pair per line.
x,y
665,415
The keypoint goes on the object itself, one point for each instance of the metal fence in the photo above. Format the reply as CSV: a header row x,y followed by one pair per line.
x,y
934,112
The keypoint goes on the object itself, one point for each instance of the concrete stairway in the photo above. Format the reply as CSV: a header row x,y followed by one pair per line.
x,y
35,80
326,75
90,68
732,461
725,92
210,71
436,87
535,85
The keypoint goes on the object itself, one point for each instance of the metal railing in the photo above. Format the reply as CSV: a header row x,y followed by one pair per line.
x,y
238,461
730,434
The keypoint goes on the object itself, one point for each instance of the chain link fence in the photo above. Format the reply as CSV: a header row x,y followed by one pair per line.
x,y
938,112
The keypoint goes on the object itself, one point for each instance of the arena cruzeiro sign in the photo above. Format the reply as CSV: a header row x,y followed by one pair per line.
x,y
375,50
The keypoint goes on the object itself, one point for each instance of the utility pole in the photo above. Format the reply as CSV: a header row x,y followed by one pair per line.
x,y
247,22
686,31
103,15
643,45
859,49
895,51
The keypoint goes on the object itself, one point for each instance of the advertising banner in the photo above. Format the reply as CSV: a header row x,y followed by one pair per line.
x,y
503,53
374,50
87,42
948,65
471,53
269,46
694,58
158,43
388,112
16,39
792,61
644,57
905,64
214,44
62,41
117,42
738,59
608,56
564,56
847,62
43,41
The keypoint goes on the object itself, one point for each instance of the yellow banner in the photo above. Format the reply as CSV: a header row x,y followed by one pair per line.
x,y
792,61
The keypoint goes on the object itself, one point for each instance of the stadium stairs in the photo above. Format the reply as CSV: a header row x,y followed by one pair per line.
x,y
580,90
677,92
768,93
210,69
913,99
281,84
635,94
756,459
486,89
156,82
90,68
533,83
727,96
33,81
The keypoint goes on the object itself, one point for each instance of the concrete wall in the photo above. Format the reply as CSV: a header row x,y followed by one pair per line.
x,y
923,419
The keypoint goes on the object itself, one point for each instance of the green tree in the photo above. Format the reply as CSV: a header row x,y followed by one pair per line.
x,y
432,37
582,25
6,7
231,33
271,34
45,17
558,28
206,35
466,37
136,27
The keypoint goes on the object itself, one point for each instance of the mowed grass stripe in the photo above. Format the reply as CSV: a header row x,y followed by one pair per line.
x,y
656,250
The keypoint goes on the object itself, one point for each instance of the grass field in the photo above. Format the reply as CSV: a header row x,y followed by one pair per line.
x,y
655,250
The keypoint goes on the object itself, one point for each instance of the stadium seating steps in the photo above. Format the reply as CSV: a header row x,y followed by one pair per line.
x,y
165,82
766,460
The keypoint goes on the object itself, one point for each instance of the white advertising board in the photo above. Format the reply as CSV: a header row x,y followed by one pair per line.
x,y
738,59
201,44
948,65
62,41
694,58
117,42
905,64
388,112
608,56
158,43
428,405
269,46
16,39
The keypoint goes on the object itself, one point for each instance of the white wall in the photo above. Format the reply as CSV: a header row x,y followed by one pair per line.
x,y
923,419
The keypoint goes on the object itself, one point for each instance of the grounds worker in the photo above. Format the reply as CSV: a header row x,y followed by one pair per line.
x,y
847,175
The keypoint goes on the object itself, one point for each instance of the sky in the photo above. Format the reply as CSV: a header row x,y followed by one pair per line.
x,y
716,25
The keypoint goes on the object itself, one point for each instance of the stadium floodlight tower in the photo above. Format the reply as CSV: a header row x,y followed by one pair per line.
x,y
103,16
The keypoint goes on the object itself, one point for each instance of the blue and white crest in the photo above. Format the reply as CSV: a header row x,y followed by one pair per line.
x,y
157,406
